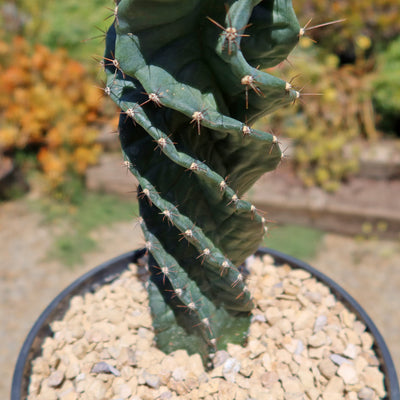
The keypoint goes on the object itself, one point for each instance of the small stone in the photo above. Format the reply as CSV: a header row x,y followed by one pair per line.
x,y
273,315
55,379
320,323
104,368
367,341
366,393
292,384
151,380
335,385
220,357
338,359
327,368
179,374
374,379
230,369
351,351
284,326
96,390
305,319
269,378
318,339
348,373
298,273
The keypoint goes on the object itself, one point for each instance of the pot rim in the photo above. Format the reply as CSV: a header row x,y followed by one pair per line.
x,y
99,275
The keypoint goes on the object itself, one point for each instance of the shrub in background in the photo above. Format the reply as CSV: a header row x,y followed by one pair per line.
x,y
386,85
326,130
368,24
49,107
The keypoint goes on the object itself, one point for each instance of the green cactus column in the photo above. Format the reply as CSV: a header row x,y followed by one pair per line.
x,y
187,75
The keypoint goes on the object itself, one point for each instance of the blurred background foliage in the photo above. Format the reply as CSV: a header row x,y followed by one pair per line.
x,y
51,112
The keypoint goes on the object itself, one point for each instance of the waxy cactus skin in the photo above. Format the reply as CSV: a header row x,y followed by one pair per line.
x,y
187,75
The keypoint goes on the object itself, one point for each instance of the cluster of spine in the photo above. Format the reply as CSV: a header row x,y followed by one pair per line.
x,y
181,74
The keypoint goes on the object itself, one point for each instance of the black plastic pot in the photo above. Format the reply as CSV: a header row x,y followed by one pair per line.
x,y
110,270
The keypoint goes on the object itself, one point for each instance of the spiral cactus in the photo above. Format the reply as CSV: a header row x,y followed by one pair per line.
x,y
188,78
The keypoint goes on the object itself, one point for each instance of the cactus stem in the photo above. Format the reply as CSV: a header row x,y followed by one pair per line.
x,y
249,81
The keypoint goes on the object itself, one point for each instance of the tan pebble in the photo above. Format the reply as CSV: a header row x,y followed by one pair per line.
x,y
374,379
360,363
257,330
269,378
127,372
70,395
318,353
72,370
332,396
292,384
313,296
334,385
351,336
256,348
80,348
348,373
351,351
151,380
220,357
55,379
47,393
284,326
351,396
317,340
121,388
96,389
196,365
347,318
366,393
313,393
305,319
209,388
273,315
306,377
327,368
35,383
299,273
367,340
274,332
40,366
282,355
290,289
242,382
329,301
256,391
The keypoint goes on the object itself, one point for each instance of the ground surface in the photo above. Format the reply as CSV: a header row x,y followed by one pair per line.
x,y
368,270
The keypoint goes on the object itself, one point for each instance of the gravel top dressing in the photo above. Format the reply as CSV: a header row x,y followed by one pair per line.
x,y
302,344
